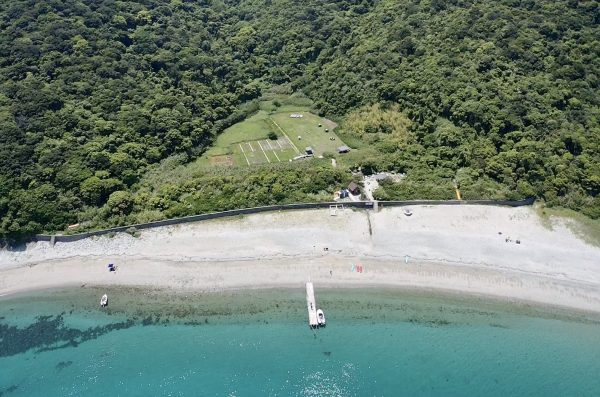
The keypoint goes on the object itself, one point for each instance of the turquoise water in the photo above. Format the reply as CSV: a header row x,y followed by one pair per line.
x,y
377,343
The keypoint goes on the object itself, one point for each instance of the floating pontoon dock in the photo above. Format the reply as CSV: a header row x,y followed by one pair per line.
x,y
311,305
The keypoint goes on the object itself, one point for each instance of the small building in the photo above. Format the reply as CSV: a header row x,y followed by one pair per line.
x,y
353,188
343,149
343,193
309,150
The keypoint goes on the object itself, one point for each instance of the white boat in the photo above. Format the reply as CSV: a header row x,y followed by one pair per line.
x,y
320,318
104,301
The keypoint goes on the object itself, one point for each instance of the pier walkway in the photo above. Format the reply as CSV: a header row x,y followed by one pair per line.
x,y
311,305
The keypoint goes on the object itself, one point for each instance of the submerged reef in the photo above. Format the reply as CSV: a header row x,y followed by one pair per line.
x,y
50,333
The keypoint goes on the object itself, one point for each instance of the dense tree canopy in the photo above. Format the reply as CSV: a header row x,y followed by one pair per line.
x,y
502,96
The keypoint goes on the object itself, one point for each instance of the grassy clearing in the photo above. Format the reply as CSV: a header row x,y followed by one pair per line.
x,y
253,128
240,159
263,151
238,145
247,143
308,129
586,228
351,140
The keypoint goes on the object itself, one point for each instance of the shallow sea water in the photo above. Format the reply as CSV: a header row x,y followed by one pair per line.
x,y
257,343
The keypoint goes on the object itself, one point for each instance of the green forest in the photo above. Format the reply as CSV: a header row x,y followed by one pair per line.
x,y
97,97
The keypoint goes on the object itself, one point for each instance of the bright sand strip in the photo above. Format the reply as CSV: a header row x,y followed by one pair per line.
x,y
452,248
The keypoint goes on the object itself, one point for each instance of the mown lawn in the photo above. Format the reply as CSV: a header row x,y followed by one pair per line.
x,y
253,128
247,143
263,151
311,135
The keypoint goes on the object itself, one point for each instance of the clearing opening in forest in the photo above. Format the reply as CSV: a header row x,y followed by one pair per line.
x,y
266,138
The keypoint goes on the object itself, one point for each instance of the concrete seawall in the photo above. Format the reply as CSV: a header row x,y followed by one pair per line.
x,y
285,207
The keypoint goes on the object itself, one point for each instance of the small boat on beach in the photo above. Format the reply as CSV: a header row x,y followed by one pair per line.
x,y
320,318
104,301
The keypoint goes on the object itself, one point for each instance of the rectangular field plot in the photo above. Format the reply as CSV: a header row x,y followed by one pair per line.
x,y
263,151
222,160
246,143
308,130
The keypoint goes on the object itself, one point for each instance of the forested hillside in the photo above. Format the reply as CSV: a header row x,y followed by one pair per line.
x,y
503,96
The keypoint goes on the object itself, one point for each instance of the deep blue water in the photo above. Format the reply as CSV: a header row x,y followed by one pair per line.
x,y
377,343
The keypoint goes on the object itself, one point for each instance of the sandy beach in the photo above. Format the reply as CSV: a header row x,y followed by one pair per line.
x,y
447,248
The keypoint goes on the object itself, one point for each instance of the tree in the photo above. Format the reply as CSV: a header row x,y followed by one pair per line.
x,y
120,203
96,191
